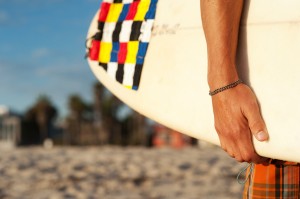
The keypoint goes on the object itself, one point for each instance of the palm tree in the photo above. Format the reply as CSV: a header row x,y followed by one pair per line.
x,y
76,106
130,130
139,129
99,125
43,113
77,109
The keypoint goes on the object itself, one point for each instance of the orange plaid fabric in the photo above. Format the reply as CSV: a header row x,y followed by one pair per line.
x,y
275,181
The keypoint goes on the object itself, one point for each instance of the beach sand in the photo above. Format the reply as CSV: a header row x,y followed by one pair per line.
x,y
118,173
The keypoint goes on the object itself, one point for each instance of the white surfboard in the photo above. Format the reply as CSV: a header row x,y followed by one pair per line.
x,y
173,88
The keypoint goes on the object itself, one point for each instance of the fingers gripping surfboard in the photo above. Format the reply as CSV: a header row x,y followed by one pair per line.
x,y
152,55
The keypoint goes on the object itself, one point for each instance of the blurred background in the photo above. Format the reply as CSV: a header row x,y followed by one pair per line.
x,y
63,135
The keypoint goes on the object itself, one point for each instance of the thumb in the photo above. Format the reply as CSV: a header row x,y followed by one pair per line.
x,y
261,135
257,124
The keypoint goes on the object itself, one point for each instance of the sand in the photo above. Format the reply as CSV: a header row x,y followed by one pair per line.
x,y
118,173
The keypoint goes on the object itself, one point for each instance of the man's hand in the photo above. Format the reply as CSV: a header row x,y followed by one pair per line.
x,y
237,117
236,111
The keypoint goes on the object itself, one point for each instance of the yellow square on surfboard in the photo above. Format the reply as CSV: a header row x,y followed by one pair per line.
x,y
142,10
114,12
132,48
104,56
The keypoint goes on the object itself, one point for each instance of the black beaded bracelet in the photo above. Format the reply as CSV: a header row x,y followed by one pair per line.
x,y
234,84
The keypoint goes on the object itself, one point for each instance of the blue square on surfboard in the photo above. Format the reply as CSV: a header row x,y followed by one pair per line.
x,y
114,52
141,52
135,88
152,9
124,12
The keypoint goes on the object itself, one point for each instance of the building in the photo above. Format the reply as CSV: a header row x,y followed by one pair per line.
x,y
10,127
166,137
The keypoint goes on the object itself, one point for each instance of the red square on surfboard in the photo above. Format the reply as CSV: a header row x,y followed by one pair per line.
x,y
122,53
104,11
132,10
94,50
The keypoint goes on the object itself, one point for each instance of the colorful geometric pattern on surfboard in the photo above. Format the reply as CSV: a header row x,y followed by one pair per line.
x,y
121,43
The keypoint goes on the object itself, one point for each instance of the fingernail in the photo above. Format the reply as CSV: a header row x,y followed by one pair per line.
x,y
262,136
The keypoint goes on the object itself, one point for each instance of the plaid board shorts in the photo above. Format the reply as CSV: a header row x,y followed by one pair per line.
x,y
275,181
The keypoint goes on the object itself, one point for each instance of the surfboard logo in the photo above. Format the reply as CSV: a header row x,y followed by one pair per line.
x,y
124,32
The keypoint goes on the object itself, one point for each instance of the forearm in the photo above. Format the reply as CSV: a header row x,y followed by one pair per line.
x,y
221,20
236,111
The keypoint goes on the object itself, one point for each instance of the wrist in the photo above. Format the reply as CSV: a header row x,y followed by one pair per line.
x,y
224,88
221,71
217,80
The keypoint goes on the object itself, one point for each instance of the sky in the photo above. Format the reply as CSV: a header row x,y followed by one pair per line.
x,y
42,47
